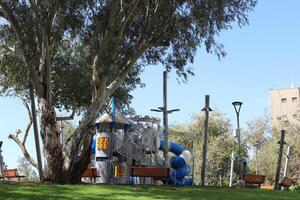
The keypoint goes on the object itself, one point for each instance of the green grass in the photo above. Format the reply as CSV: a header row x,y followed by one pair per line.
x,y
32,191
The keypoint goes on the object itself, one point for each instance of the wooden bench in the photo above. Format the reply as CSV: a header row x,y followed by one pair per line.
x,y
254,179
157,173
90,172
286,182
11,173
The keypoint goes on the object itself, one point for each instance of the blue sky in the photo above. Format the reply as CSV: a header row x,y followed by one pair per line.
x,y
261,56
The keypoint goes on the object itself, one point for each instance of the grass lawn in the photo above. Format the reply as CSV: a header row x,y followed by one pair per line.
x,y
33,191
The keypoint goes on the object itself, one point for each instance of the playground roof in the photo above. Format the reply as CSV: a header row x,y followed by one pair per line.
x,y
106,119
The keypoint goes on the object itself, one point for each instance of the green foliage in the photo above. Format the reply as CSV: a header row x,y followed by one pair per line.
x,y
220,146
259,131
78,31
4,166
218,160
68,129
25,169
295,188
218,124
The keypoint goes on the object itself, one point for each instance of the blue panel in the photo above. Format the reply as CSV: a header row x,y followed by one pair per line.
x,y
161,145
93,145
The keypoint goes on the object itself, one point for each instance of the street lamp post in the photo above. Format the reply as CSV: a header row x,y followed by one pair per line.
x,y
237,107
256,146
165,112
1,159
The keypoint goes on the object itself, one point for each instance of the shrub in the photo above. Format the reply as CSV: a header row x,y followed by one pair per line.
x,y
296,188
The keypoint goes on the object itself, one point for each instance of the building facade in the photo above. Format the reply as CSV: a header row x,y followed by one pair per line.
x,y
285,106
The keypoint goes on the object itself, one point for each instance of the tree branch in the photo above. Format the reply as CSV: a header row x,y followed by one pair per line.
x,y
67,117
112,87
8,48
132,6
27,132
104,43
9,16
35,8
24,150
30,120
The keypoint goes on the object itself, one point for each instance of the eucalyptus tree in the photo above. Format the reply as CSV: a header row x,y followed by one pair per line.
x,y
78,53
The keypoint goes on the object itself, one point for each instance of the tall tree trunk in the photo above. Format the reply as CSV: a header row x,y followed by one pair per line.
x,y
51,141
76,150
73,175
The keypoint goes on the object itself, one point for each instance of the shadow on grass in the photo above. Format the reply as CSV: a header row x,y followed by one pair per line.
x,y
33,191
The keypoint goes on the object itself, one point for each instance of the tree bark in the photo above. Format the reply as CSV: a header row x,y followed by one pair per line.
x,y
76,151
74,175
52,146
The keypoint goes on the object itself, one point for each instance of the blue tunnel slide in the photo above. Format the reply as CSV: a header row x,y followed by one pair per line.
x,y
178,164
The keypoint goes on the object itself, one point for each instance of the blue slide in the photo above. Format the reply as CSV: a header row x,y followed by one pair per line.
x,y
178,163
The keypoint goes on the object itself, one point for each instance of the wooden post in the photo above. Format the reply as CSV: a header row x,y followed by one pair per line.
x,y
280,152
36,133
206,109
165,112
165,119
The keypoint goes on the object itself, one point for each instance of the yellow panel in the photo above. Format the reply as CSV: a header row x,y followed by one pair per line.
x,y
119,171
102,143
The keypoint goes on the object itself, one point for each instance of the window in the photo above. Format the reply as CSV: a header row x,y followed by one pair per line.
x,y
294,99
283,100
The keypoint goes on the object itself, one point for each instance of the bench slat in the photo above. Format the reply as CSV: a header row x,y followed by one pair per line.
x,y
254,179
11,173
286,182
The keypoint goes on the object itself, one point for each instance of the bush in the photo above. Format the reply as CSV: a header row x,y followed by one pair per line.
x,y
296,188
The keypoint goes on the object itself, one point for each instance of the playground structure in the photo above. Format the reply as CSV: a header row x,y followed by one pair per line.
x,y
128,151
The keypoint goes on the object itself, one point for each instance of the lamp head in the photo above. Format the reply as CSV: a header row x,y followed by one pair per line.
x,y
237,106
155,110
173,110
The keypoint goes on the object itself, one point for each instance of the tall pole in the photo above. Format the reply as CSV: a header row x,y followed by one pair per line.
x,y
281,143
286,166
193,147
256,163
1,159
231,169
239,143
36,134
237,106
165,119
206,109
165,112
